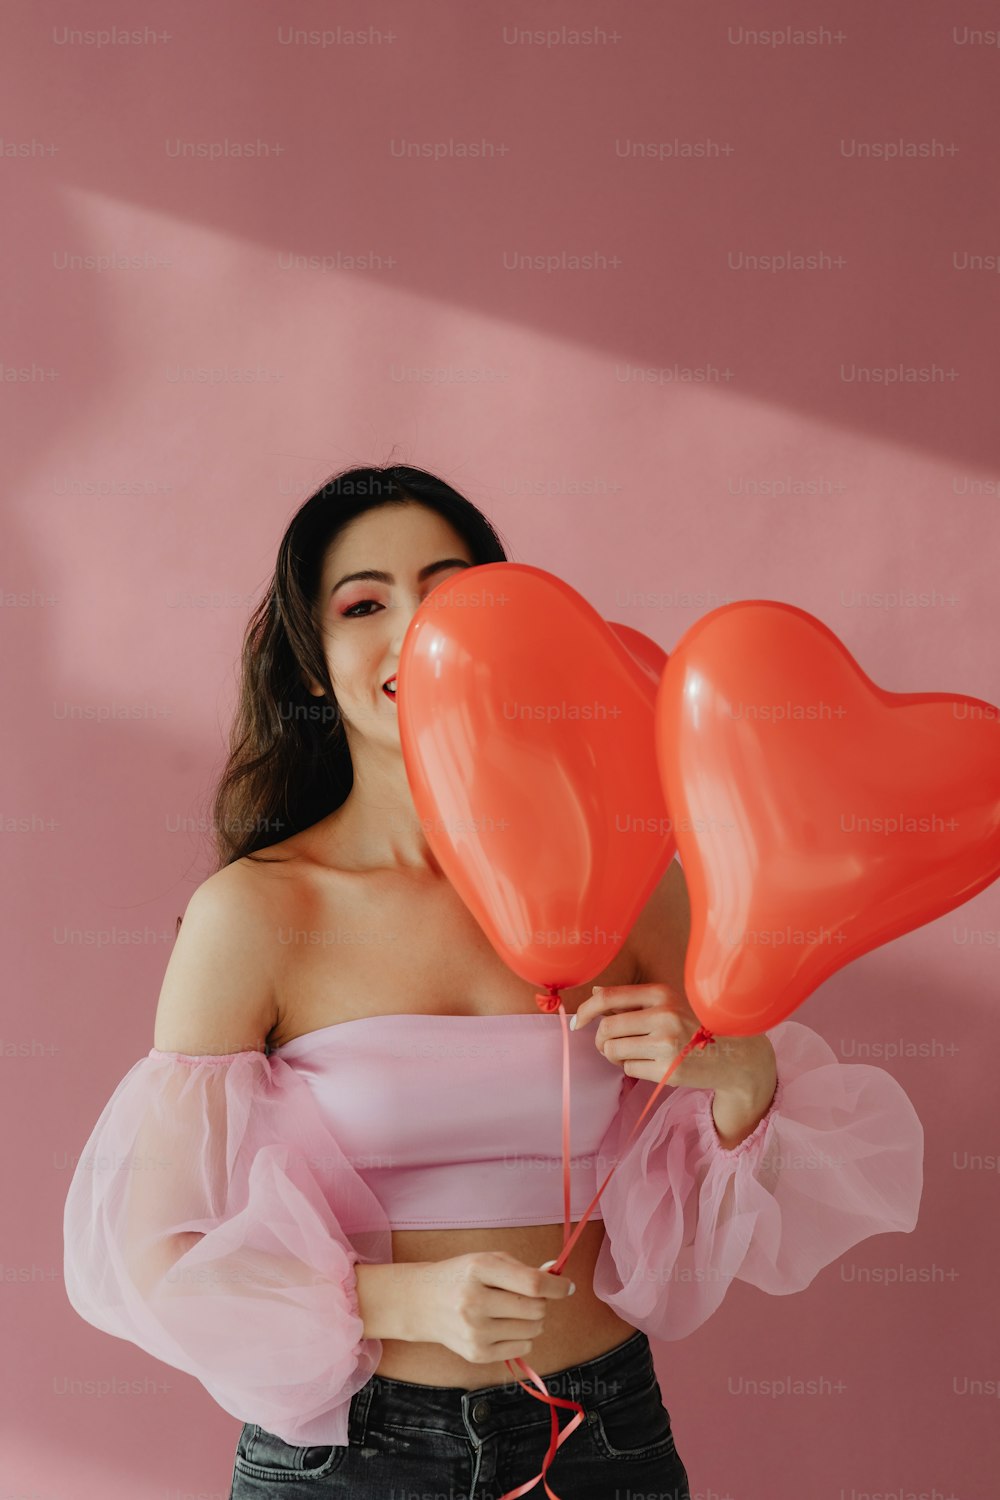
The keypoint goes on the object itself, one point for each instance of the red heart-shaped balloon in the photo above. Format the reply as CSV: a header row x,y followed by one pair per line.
x,y
817,815
527,734
649,654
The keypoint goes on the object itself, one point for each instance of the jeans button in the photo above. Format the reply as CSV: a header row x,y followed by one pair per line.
x,y
480,1411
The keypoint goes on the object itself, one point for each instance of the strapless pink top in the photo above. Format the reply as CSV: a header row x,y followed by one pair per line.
x,y
222,1203
456,1121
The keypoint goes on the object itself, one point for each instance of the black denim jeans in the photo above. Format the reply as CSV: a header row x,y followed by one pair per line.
x,y
441,1442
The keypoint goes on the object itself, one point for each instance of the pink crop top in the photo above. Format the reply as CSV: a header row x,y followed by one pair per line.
x,y
455,1121
222,1203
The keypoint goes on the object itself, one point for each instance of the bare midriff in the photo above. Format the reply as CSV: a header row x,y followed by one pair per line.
x,y
405,942
577,1328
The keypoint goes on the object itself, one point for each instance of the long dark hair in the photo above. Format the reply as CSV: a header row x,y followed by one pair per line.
x,y
289,764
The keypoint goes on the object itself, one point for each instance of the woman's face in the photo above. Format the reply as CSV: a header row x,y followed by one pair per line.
x,y
363,620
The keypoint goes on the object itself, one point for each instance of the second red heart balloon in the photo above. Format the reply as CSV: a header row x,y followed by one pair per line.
x,y
817,814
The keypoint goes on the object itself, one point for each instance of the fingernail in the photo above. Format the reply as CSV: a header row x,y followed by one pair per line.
x,y
572,1023
572,1288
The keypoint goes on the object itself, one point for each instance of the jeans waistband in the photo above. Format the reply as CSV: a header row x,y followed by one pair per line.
x,y
477,1414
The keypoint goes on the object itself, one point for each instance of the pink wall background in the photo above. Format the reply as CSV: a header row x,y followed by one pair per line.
x,y
144,506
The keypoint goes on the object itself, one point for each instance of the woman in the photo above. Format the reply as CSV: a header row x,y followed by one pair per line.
x,y
340,1193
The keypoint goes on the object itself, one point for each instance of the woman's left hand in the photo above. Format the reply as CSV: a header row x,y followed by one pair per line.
x,y
644,1026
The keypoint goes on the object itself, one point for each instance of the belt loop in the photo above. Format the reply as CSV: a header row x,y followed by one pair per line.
x,y
574,1384
357,1417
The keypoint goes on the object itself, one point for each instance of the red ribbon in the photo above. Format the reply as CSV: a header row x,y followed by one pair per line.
x,y
551,1001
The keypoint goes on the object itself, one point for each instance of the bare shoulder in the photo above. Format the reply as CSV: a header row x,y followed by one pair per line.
x,y
218,992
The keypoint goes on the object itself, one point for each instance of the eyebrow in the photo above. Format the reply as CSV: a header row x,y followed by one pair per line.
x,y
378,577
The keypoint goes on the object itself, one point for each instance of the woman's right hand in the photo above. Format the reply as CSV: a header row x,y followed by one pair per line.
x,y
486,1306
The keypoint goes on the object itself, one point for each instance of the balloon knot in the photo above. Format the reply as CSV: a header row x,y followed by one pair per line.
x,y
702,1037
549,1001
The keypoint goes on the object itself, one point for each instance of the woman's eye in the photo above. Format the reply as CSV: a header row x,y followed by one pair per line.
x,y
349,614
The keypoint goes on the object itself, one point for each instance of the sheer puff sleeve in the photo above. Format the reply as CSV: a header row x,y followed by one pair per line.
x,y
837,1157
213,1220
